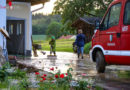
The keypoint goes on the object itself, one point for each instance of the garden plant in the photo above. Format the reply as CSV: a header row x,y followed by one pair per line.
x,y
53,80
60,81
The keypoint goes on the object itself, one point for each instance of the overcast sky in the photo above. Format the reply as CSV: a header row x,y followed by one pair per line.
x,y
48,7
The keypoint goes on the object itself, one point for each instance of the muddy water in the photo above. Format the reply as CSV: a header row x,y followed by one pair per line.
x,y
115,77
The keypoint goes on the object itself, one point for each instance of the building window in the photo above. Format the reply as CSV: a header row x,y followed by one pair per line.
x,y
11,29
19,29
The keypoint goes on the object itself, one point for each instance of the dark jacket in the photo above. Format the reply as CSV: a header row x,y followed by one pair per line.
x,y
80,40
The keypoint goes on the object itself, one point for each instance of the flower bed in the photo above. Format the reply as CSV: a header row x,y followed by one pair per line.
x,y
53,80
60,81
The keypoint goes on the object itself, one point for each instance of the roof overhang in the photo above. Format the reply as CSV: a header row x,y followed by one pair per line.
x,y
86,20
33,2
75,23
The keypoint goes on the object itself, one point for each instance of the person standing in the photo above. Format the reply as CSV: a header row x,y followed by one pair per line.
x,y
80,41
52,44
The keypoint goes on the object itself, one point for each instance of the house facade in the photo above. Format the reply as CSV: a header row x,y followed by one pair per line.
x,y
19,27
2,23
2,26
18,22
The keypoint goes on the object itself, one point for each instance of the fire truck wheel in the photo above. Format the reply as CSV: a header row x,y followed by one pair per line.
x,y
100,62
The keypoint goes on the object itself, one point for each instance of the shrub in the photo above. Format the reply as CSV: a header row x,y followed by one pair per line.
x,y
87,48
3,72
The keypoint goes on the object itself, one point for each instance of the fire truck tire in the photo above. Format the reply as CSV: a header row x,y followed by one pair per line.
x,y
100,62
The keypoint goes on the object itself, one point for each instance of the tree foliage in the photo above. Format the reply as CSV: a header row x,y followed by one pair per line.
x,y
71,10
40,23
54,29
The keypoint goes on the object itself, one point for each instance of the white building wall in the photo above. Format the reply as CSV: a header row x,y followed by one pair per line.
x,y
23,10
2,22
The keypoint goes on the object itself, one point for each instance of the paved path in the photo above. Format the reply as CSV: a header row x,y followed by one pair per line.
x,y
115,77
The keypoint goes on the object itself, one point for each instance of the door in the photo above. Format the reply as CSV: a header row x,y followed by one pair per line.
x,y
16,30
110,33
125,35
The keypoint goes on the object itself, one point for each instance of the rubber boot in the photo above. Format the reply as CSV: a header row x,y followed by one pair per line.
x,y
78,55
50,53
82,57
54,53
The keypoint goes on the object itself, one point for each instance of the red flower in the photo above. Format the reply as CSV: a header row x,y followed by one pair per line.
x,y
37,73
44,75
66,74
83,74
10,3
62,76
56,76
44,78
52,69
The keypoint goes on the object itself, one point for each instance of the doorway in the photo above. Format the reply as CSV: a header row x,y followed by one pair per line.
x,y
16,30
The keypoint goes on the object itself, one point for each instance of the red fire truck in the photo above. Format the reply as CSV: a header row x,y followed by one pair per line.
x,y
111,39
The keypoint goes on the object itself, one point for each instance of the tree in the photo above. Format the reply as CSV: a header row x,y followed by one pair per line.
x,y
70,10
54,29
40,23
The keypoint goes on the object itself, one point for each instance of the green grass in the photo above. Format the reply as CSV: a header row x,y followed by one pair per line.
x,y
39,37
61,45
3,85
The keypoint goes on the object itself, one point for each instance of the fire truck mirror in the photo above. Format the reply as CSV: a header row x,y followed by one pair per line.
x,y
95,30
97,24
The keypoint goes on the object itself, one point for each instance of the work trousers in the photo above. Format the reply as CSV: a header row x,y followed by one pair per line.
x,y
81,50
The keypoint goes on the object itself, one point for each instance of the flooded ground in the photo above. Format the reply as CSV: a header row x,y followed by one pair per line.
x,y
115,77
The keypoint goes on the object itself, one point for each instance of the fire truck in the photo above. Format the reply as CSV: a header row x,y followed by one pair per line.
x,y
111,39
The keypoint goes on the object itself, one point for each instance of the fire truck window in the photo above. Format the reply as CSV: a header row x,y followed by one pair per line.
x,y
127,14
105,22
114,15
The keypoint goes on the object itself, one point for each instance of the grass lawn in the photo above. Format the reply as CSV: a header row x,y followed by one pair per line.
x,y
39,37
61,45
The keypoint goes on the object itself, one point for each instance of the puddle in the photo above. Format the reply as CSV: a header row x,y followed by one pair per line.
x,y
114,80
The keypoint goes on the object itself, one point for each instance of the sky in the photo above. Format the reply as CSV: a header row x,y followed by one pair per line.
x,y
48,8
